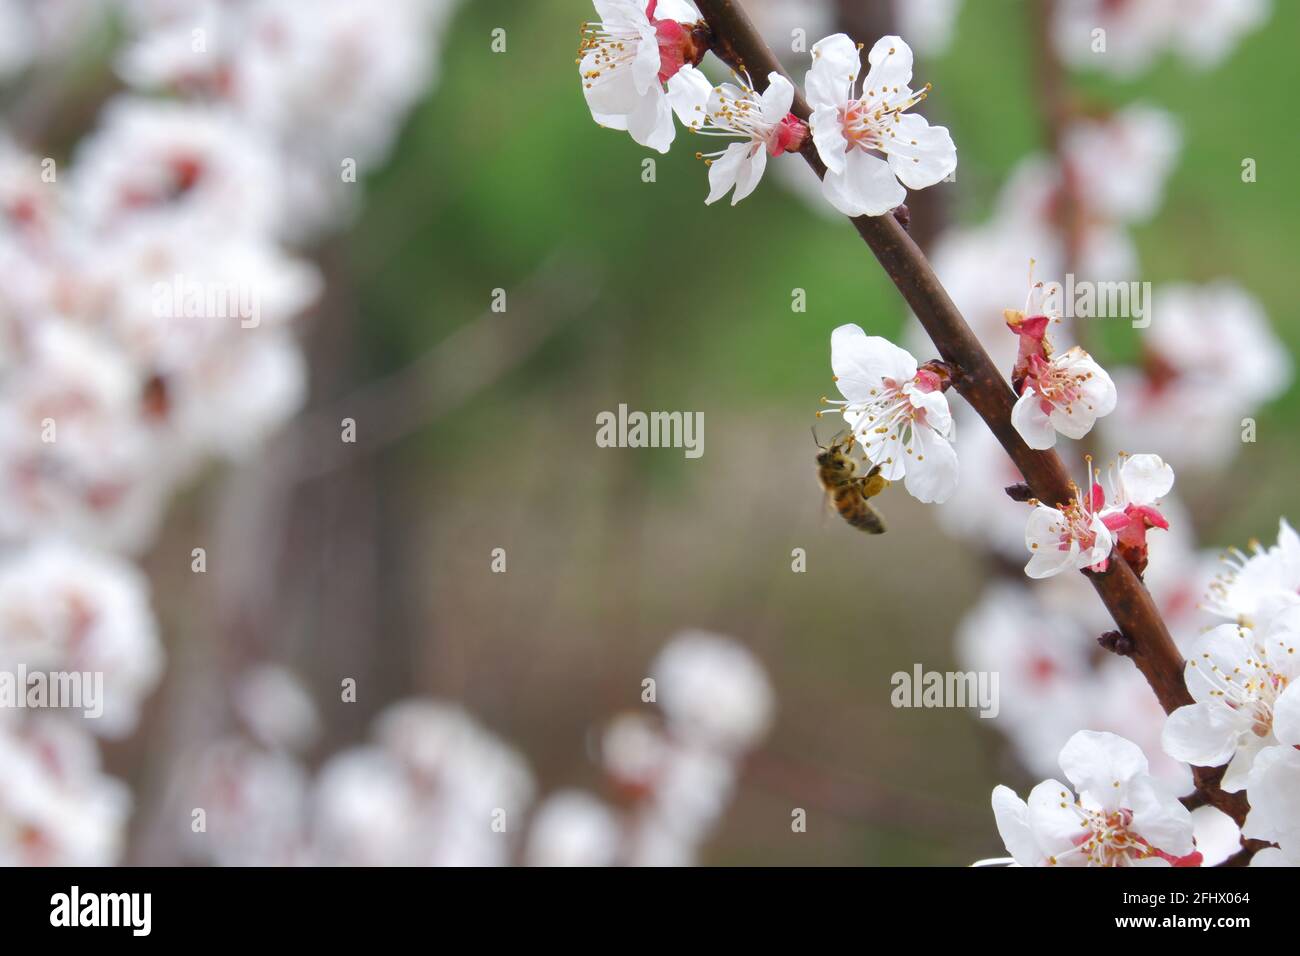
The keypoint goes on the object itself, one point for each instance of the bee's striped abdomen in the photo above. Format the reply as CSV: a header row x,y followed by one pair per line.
x,y
852,505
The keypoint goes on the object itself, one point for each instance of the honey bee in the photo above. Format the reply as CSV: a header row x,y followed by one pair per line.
x,y
837,472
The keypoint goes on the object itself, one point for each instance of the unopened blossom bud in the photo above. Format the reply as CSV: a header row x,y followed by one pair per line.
x,y
1019,491
1117,643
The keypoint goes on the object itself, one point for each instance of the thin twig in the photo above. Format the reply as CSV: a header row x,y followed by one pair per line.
x,y
738,44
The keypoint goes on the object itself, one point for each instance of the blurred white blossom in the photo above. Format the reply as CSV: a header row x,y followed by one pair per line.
x,y
57,808
1136,32
712,691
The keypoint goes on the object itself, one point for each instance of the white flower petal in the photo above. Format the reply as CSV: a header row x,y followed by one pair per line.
x,y
932,469
1043,534
1201,734
1012,817
688,94
613,93
835,65
1286,716
776,100
891,65
1032,424
920,154
683,11
828,136
883,449
645,65
618,15
867,186
751,171
1146,479
1099,390
1225,648
651,123
1053,818
1159,818
1237,776
1103,543
937,414
725,171
862,362
1095,762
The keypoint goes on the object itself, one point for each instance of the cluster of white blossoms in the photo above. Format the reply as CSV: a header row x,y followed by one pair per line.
x,y
1124,37
435,788
1081,534
1209,362
57,807
1042,642
898,413
639,65
154,282
1242,676
1120,37
432,788
672,774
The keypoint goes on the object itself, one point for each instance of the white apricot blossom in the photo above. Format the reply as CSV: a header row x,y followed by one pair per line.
x,y
1066,393
631,61
871,145
1072,537
1256,587
762,120
713,691
1120,817
897,410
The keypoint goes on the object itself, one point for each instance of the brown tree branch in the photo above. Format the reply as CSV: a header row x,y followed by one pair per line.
x,y
738,44
1247,853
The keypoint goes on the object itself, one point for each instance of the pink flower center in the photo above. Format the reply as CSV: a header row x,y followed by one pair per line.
x,y
928,381
1106,839
1056,385
790,135
1078,528
675,44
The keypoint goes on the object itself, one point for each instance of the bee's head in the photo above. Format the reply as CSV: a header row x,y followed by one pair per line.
x,y
835,450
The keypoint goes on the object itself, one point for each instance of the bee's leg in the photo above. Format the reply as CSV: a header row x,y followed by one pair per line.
x,y
871,483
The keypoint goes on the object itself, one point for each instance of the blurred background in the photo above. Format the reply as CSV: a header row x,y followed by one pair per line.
x,y
475,429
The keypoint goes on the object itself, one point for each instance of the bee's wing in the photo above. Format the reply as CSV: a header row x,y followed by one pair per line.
x,y
827,505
